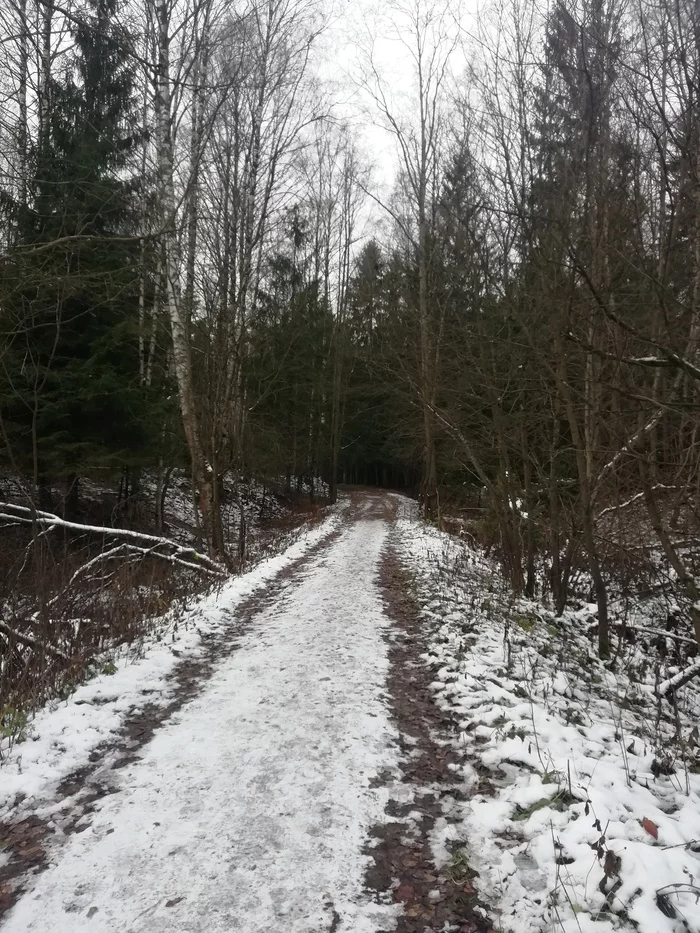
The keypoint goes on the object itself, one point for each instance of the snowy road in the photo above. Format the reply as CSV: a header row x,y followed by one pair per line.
x,y
249,810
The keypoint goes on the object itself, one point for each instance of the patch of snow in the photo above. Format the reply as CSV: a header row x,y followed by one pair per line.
x,y
62,735
563,825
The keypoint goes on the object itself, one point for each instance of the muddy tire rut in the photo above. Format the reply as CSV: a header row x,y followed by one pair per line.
x,y
402,861
28,840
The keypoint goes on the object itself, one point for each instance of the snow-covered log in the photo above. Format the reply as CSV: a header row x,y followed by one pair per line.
x,y
31,642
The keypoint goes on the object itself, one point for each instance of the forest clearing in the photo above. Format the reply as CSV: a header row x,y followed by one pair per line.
x,y
349,466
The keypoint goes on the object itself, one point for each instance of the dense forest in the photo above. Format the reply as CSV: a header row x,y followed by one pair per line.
x,y
201,277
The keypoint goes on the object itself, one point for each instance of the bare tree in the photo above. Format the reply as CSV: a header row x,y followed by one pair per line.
x,y
426,34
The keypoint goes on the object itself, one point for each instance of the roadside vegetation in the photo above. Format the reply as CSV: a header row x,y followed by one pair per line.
x,y
578,789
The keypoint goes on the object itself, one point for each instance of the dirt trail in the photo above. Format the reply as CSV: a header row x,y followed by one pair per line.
x,y
26,842
432,900
272,792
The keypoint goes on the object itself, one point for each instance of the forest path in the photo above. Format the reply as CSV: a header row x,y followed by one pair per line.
x,y
250,807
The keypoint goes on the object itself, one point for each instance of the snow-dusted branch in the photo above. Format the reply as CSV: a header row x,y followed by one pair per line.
x,y
155,545
678,680
634,498
31,642
626,628
631,444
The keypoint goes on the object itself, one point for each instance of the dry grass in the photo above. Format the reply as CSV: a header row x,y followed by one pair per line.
x,y
54,630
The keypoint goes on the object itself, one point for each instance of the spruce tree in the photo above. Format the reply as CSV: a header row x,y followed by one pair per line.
x,y
73,402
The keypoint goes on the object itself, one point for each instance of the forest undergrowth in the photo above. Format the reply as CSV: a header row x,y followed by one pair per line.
x,y
582,775
71,601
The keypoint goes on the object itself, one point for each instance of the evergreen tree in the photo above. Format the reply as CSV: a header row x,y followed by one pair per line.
x,y
380,441
287,372
73,400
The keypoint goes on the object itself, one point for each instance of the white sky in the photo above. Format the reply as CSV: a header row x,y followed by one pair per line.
x,y
356,27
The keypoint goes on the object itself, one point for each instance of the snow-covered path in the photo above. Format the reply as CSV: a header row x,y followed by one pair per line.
x,y
249,810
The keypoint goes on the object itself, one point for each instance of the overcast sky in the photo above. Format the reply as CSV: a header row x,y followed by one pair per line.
x,y
356,27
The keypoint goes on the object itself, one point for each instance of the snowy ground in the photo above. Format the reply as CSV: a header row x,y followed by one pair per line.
x,y
583,810
250,807
60,738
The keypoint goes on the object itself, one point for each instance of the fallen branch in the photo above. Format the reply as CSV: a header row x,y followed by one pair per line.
x,y
685,639
678,680
634,498
185,556
645,630
31,642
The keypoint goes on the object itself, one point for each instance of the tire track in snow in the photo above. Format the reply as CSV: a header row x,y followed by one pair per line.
x,y
27,838
249,807
403,855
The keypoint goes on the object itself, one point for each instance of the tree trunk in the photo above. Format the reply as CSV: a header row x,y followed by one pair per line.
x,y
429,480
685,577
583,461
182,362
23,130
